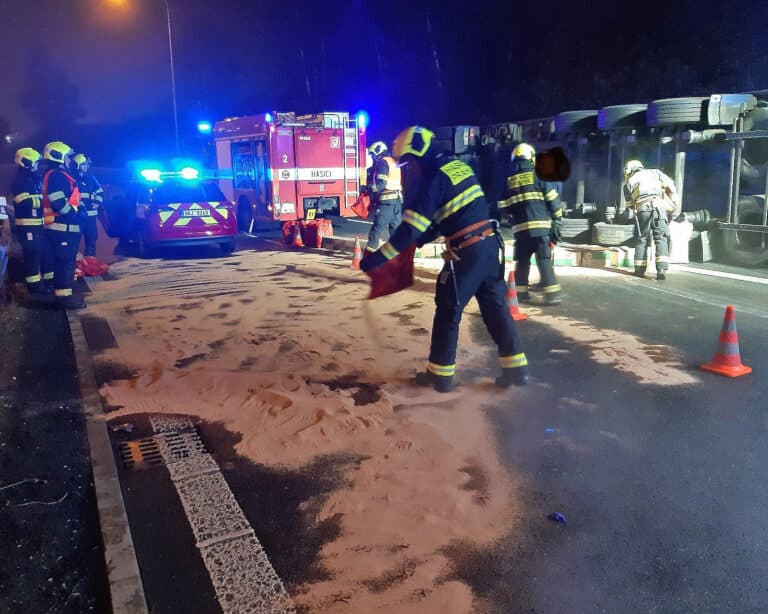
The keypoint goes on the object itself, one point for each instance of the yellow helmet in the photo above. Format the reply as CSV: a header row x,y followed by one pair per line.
x,y
631,167
26,157
525,151
56,151
79,159
379,148
413,141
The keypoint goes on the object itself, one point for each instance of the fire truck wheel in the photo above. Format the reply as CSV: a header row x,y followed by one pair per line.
x,y
622,116
744,248
575,121
244,214
673,111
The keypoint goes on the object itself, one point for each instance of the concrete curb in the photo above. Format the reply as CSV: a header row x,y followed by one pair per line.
x,y
125,587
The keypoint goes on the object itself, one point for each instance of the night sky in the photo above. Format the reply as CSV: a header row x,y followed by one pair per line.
x,y
96,74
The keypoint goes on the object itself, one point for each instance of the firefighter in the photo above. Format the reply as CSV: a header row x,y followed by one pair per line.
x,y
386,195
443,197
61,200
91,199
534,208
653,197
27,201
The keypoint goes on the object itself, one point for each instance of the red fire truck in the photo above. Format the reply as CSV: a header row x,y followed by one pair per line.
x,y
286,167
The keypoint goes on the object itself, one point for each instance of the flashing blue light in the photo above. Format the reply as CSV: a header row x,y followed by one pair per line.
x,y
204,127
362,120
189,173
151,174
268,118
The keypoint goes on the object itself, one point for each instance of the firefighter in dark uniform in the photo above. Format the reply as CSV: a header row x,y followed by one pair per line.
x,y
386,193
28,205
91,199
443,197
534,208
653,196
61,200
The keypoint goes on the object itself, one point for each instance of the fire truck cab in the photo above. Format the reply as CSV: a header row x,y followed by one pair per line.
x,y
286,167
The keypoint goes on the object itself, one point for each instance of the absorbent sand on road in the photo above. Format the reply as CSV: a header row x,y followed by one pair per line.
x,y
282,350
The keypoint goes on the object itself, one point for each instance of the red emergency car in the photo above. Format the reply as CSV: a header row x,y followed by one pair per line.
x,y
286,167
171,209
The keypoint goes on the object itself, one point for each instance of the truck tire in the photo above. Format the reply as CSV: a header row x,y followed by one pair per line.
x,y
674,111
574,230
575,121
244,214
743,248
612,234
622,116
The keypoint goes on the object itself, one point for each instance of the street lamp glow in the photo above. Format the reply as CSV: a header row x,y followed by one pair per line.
x,y
204,127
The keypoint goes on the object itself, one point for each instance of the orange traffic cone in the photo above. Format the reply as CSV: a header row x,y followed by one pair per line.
x,y
727,360
297,242
512,303
357,254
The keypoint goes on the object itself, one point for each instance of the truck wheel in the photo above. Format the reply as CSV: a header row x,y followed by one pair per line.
x,y
575,121
743,247
673,111
622,116
575,230
244,214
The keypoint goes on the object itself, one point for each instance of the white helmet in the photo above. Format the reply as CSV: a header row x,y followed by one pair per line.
x,y
525,151
631,167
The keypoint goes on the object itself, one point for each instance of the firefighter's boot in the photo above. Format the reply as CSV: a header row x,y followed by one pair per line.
x,y
553,298
518,376
441,383
73,303
639,271
524,297
661,275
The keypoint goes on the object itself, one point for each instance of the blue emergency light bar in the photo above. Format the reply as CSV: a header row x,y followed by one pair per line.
x,y
362,119
204,127
155,175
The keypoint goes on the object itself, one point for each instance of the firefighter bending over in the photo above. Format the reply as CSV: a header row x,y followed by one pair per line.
x,y
443,197
61,200
386,195
28,206
534,207
653,196
91,199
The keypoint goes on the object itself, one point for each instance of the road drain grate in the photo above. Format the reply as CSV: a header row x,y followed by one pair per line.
x,y
140,454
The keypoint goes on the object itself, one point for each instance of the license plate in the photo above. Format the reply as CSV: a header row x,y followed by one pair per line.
x,y
311,214
195,213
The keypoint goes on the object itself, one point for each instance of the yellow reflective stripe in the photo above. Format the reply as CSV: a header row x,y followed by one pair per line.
x,y
441,370
662,258
85,194
519,198
558,214
63,291
531,225
551,195
56,195
33,279
182,221
522,289
65,209
48,276
174,206
63,227
641,263
29,221
164,215
207,220
514,361
467,197
92,213
552,288
223,213
388,251
418,221
520,179
23,196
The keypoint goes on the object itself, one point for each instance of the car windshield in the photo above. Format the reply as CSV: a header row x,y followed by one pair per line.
x,y
167,193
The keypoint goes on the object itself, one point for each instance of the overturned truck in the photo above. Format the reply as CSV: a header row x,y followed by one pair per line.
x,y
715,148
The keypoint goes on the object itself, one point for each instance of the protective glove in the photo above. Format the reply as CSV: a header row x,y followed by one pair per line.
x,y
365,190
371,260
556,232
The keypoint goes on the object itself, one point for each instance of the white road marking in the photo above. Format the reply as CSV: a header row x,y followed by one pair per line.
x,y
735,276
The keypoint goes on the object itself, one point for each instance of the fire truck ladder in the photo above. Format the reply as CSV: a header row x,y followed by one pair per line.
x,y
351,162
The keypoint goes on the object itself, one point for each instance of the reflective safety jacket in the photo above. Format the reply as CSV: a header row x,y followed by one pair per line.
x,y
650,188
531,203
91,195
448,200
61,199
386,183
27,199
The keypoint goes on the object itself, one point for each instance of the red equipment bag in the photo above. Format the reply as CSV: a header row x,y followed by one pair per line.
x,y
90,267
393,276
361,206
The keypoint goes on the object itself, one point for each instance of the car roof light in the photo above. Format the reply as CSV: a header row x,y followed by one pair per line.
x,y
150,174
189,173
268,118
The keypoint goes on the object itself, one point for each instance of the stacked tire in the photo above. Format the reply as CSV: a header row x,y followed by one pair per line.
x,y
622,116
676,111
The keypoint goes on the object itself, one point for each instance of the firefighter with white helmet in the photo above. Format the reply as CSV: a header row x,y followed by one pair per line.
x,y
534,208
386,193
443,197
61,201
28,220
653,196
91,199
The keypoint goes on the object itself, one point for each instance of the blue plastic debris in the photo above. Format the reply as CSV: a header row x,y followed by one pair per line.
x,y
558,517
